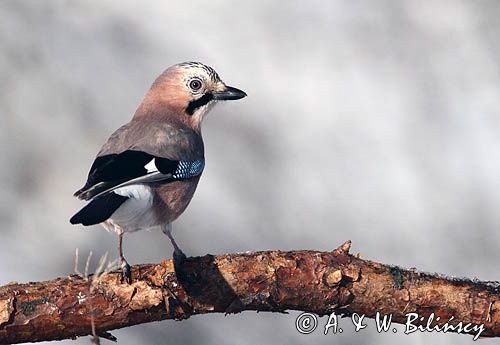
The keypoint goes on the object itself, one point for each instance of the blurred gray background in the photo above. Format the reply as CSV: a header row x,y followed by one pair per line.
x,y
375,121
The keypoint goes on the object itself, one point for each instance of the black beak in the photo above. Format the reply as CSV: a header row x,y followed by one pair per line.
x,y
230,93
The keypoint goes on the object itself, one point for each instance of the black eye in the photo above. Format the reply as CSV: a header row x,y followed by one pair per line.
x,y
195,84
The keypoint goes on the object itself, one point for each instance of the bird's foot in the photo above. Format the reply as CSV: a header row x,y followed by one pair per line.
x,y
179,256
126,275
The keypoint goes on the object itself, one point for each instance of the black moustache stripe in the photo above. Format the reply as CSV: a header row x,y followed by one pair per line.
x,y
200,102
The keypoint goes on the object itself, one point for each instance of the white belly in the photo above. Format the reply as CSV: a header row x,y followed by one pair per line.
x,y
136,213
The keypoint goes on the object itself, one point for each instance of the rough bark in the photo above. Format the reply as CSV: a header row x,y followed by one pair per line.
x,y
317,282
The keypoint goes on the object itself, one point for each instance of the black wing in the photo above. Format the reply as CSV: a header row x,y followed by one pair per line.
x,y
115,169
177,152
118,170
98,210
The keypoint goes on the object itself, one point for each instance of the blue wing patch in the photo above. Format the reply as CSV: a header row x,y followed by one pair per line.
x,y
188,169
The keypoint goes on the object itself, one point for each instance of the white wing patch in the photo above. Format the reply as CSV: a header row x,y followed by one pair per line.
x,y
151,166
135,191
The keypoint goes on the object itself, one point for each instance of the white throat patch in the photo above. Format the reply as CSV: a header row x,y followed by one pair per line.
x,y
200,113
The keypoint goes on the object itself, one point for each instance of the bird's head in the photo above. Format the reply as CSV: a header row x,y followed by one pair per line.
x,y
188,90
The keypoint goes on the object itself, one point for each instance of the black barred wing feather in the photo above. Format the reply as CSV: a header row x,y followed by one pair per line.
x,y
131,167
112,170
103,202
184,170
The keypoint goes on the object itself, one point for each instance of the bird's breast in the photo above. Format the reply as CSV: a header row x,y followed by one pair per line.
x,y
171,199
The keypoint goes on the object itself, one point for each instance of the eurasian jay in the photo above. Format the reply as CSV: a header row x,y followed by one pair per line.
x,y
147,172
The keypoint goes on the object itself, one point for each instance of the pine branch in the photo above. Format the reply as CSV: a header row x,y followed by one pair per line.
x,y
275,281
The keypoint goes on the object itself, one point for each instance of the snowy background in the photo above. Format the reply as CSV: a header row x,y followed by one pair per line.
x,y
375,121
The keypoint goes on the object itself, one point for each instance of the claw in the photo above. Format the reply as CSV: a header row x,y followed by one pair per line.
x,y
126,275
179,256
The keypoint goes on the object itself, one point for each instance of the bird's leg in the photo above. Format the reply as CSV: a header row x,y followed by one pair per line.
x,y
178,255
126,271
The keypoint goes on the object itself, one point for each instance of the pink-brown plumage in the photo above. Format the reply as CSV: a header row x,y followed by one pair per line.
x,y
165,132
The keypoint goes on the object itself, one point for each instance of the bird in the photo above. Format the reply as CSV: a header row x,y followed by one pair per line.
x,y
146,173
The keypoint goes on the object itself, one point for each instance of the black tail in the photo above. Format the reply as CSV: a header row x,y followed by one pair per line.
x,y
98,210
